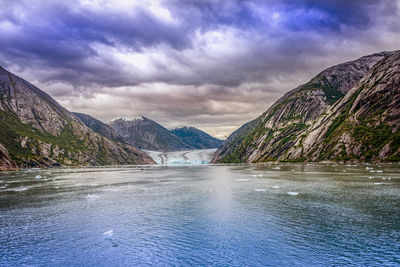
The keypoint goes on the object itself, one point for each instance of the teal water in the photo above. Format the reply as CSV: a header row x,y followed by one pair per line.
x,y
288,214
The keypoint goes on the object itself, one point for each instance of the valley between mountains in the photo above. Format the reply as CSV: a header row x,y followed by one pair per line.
x,y
349,112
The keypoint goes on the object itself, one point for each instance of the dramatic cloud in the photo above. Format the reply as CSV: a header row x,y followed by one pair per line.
x,y
214,64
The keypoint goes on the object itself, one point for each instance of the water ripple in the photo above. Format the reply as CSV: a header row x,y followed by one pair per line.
x,y
205,215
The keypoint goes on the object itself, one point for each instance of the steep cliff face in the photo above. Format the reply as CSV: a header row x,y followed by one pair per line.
x,y
148,134
286,123
31,105
364,125
196,138
38,132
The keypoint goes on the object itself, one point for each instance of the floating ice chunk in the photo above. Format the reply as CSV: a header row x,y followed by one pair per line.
x,y
276,168
371,177
108,234
369,168
38,177
379,171
20,189
257,175
259,189
241,180
275,186
377,183
91,196
293,193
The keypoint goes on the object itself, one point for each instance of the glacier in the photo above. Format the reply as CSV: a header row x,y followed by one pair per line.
x,y
186,157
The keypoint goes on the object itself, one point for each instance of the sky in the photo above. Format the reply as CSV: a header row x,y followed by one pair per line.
x,y
212,64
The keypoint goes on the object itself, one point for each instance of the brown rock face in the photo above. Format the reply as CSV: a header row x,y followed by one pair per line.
x,y
297,126
6,163
38,132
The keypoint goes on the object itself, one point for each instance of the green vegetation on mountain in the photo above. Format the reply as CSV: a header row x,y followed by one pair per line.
x,y
37,132
349,111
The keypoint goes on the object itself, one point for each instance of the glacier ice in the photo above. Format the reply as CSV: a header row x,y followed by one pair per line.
x,y
108,234
259,189
192,157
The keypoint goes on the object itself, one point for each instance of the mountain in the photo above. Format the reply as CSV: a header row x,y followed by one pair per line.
x,y
148,134
36,131
364,125
196,138
100,127
317,121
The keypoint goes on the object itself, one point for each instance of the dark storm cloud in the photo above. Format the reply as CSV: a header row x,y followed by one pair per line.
x,y
67,21
332,15
310,15
61,34
189,59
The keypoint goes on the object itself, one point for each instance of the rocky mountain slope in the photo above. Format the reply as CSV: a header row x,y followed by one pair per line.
x,y
288,130
364,125
100,127
6,162
148,134
38,132
196,138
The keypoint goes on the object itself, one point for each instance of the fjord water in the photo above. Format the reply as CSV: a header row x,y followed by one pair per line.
x,y
287,214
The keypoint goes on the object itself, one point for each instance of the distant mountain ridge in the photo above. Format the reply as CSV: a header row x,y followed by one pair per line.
x,y
100,127
36,131
147,134
321,120
196,138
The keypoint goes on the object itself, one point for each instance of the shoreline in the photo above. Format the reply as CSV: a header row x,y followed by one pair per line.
x,y
142,166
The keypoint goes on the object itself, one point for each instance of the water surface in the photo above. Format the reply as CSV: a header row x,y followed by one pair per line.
x,y
290,214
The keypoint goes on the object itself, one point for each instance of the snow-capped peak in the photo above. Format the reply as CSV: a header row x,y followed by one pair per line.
x,y
133,118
